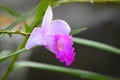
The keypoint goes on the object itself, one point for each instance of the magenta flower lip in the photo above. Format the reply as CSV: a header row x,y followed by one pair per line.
x,y
54,36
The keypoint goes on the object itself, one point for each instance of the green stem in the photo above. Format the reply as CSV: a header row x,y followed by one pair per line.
x,y
42,6
97,45
23,44
10,67
15,32
5,75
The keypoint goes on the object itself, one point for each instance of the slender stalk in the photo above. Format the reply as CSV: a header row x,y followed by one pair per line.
x,y
5,75
87,1
14,32
10,67
59,2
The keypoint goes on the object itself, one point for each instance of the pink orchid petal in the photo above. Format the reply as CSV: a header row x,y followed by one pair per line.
x,y
35,39
58,27
50,43
61,46
47,18
54,35
63,49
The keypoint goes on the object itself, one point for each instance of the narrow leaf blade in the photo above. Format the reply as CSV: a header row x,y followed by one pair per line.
x,y
7,54
96,44
73,32
40,12
64,70
18,20
4,53
10,11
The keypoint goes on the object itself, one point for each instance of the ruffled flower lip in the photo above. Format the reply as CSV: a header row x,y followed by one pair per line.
x,y
63,49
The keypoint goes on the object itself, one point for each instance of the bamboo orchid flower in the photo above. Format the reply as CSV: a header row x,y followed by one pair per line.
x,y
54,36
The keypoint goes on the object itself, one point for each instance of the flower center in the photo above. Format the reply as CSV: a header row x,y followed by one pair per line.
x,y
59,46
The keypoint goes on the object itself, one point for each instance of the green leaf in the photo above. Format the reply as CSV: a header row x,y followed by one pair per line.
x,y
10,11
60,2
18,20
7,54
96,44
4,53
13,13
78,30
21,18
40,13
87,1
75,72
